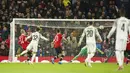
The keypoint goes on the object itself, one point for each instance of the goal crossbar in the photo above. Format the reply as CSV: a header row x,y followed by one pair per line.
x,y
32,19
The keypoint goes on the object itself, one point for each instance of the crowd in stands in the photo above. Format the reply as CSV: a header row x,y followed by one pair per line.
x,y
51,9
57,9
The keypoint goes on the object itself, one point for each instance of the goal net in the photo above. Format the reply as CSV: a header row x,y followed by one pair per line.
x,y
70,28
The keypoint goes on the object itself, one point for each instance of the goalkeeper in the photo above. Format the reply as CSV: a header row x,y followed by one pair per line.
x,y
83,51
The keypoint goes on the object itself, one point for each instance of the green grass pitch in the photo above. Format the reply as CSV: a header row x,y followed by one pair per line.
x,y
64,68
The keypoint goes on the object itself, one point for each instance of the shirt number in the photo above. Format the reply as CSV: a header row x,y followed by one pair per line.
x,y
123,27
89,33
35,37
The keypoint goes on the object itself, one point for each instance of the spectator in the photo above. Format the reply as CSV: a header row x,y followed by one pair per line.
x,y
66,2
72,42
0,33
5,33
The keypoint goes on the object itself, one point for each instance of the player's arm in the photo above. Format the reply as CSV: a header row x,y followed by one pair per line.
x,y
44,38
64,39
129,28
53,41
112,30
81,38
28,37
98,35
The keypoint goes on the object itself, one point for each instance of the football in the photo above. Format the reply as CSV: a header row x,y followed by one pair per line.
x,y
101,27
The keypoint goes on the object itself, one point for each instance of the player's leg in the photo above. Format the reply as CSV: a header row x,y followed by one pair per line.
x,y
111,54
124,43
91,53
61,55
57,53
88,59
34,51
33,57
128,56
29,54
118,57
55,57
120,53
25,51
100,51
82,51
122,58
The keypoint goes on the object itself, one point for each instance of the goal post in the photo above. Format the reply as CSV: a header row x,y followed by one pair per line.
x,y
47,25
11,56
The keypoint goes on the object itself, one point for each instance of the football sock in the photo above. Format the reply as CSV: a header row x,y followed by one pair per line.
x,y
122,58
118,58
61,58
55,57
33,57
88,59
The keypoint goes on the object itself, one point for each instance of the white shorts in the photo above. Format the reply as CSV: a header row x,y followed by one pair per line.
x,y
91,48
120,44
32,46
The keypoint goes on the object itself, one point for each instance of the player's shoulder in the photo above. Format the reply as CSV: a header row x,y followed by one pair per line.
x,y
86,28
59,34
123,18
22,35
92,27
35,33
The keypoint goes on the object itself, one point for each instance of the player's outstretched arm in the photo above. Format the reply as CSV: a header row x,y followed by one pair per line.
x,y
28,37
44,38
98,35
81,38
112,30
65,39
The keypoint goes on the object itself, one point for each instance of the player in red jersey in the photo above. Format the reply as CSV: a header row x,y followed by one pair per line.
x,y
58,47
23,43
128,50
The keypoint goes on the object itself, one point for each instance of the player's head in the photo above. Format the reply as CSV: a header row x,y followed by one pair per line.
x,y
23,31
122,12
58,30
90,23
37,29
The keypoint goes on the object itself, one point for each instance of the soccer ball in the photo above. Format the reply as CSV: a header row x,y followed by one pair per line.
x,y
101,27
59,62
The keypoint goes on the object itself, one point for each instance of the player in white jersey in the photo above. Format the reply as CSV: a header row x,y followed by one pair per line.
x,y
33,44
91,33
121,25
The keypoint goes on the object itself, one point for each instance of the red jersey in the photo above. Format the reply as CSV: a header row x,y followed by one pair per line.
x,y
128,43
22,41
57,40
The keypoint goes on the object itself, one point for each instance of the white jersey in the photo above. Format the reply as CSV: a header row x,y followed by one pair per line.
x,y
35,37
91,32
121,26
